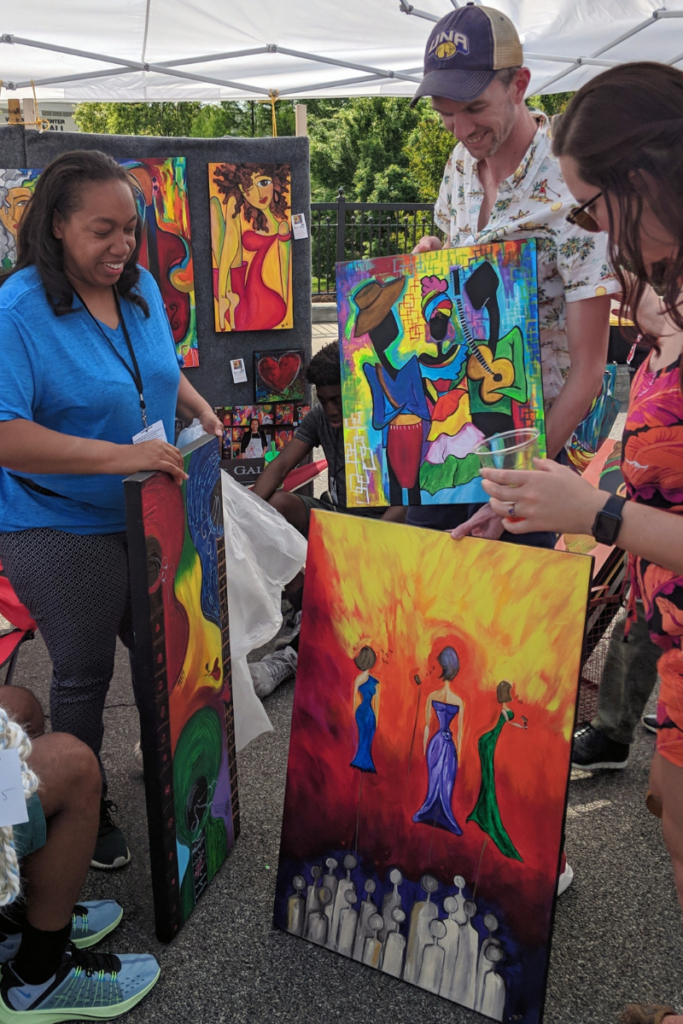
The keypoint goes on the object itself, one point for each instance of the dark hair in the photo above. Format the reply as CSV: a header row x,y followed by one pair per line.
x,y
505,75
504,691
58,189
323,369
231,179
625,131
365,659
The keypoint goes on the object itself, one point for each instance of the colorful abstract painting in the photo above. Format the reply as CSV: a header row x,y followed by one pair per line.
x,y
16,188
430,756
161,195
160,186
279,376
181,677
251,243
439,351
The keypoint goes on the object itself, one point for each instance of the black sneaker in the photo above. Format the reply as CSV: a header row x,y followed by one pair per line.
x,y
592,750
650,723
111,850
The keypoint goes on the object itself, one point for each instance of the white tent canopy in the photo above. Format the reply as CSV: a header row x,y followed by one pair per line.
x,y
241,49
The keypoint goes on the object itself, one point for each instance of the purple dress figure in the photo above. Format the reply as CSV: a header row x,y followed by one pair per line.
x,y
442,756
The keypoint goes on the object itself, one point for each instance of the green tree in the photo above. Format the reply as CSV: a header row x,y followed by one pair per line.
x,y
552,104
137,118
428,148
355,146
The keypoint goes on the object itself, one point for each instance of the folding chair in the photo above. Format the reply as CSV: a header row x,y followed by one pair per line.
x,y
19,617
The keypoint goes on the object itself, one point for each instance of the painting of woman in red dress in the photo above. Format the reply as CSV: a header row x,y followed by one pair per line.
x,y
251,243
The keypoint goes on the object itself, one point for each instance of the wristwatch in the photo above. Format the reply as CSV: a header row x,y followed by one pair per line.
x,y
608,521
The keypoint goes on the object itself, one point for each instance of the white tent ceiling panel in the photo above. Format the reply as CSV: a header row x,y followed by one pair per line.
x,y
158,49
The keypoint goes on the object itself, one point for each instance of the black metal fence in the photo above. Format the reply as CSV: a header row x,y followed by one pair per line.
x,y
347,231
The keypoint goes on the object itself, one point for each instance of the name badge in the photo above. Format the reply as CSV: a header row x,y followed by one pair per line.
x,y
154,432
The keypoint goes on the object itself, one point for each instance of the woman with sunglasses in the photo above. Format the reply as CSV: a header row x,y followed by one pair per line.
x,y
620,145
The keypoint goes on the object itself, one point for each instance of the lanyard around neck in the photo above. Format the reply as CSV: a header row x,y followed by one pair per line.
x,y
134,371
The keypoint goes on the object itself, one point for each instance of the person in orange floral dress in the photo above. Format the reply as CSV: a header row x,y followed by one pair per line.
x,y
620,146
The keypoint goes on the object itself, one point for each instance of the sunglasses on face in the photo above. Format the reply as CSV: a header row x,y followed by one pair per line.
x,y
579,215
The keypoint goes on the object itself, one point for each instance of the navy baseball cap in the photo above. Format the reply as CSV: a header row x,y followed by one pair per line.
x,y
465,51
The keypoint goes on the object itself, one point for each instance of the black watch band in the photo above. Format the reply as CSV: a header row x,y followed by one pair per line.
x,y
608,521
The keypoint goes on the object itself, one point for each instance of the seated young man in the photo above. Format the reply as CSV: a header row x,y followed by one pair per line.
x,y
47,970
321,428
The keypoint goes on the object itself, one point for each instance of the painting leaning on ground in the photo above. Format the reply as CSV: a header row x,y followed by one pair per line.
x,y
429,757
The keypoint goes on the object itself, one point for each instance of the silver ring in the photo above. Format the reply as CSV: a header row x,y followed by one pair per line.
x,y
511,508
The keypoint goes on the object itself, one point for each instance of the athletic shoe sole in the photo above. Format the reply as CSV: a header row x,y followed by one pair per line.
x,y
54,1015
92,940
649,728
120,862
600,766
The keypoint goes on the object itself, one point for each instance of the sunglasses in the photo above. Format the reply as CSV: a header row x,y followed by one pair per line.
x,y
578,215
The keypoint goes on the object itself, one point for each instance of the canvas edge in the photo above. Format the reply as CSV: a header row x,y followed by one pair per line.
x,y
551,928
142,674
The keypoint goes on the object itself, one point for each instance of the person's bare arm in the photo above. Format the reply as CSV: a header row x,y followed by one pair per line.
x,y
276,471
587,338
190,404
28,447
588,335
555,498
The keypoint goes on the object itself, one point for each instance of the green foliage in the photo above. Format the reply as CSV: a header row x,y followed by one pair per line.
x,y
428,148
360,148
553,104
137,118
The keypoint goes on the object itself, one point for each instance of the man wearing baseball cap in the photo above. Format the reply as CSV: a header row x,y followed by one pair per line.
x,y
502,182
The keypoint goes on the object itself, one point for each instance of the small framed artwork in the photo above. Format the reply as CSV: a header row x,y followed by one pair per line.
x,y
282,438
279,376
284,413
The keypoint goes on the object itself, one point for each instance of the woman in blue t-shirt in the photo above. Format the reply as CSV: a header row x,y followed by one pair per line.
x,y
89,391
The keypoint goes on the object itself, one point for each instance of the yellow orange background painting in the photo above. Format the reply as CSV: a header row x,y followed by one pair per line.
x,y
510,613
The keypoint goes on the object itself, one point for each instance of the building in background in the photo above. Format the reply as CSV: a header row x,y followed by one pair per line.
x,y
60,115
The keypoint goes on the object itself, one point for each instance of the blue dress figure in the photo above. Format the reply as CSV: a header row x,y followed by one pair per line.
x,y
366,687
442,756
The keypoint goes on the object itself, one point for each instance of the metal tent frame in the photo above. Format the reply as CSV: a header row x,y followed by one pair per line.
x,y
370,74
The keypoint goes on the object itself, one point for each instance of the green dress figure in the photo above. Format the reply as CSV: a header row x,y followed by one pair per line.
x,y
486,812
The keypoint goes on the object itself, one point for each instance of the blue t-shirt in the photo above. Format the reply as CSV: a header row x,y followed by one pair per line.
x,y
60,372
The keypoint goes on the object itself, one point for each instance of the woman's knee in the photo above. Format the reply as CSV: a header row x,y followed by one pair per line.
x,y
23,707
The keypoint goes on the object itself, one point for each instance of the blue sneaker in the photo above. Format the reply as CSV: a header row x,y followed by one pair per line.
x,y
87,986
90,922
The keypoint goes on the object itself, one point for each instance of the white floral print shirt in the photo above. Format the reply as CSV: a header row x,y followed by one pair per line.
x,y
532,203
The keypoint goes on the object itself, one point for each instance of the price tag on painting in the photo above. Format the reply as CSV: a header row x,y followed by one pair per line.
x,y
239,373
299,225
12,800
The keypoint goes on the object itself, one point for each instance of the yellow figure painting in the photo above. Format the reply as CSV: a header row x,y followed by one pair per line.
x,y
251,242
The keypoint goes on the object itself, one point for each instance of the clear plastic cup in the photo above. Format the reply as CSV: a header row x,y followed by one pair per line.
x,y
513,449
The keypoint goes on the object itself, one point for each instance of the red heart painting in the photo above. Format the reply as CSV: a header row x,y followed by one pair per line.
x,y
278,373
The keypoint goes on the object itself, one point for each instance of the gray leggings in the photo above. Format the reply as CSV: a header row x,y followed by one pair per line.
x,y
76,588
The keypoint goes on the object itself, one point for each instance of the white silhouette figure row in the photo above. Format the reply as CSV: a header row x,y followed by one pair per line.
x,y
443,956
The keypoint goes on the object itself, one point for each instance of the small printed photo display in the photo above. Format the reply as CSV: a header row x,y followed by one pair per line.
x,y
279,376
250,430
